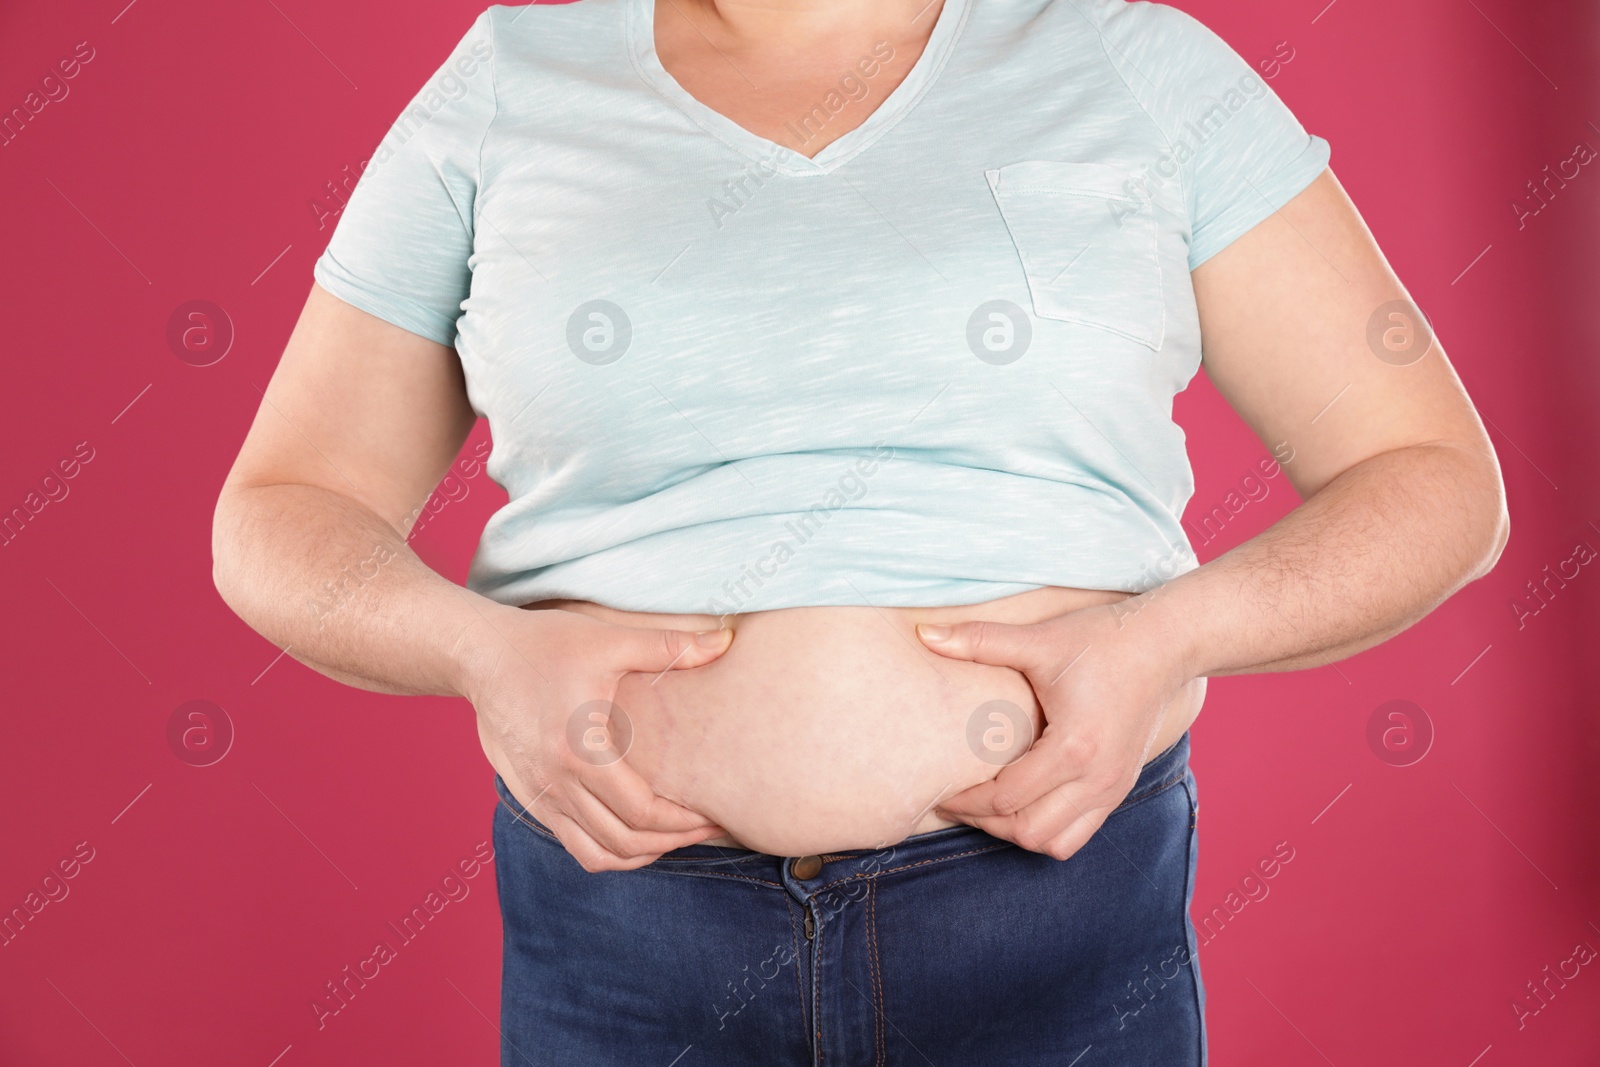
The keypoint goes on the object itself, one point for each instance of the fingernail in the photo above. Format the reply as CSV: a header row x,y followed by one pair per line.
x,y
712,638
933,633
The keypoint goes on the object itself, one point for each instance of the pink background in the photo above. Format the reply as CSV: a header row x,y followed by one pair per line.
x,y
220,899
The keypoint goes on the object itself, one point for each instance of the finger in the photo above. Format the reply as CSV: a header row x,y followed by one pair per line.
x,y
1058,823
974,801
629,797
1066,844
620,839
637,649
1055,759
1006,828
1000,644
590,854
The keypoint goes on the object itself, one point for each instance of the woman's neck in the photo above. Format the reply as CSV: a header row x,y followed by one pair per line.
x,y
751,25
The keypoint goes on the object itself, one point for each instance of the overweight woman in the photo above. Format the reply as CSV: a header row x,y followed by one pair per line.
x,y
837,647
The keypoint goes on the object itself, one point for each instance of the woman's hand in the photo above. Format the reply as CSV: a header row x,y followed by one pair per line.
x,y
543,683
1105,681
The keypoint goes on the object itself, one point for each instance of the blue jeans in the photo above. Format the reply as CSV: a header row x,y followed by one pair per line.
x,y
952,948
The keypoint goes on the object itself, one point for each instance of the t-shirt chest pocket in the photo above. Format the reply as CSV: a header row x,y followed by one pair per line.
x,y
1088,246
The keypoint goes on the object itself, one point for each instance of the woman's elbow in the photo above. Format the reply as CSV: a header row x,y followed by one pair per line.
x,y
1497,544
1494,524
225,550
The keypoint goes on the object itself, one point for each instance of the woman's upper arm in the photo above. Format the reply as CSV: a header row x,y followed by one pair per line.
x,y
369,399
359,407
1311,338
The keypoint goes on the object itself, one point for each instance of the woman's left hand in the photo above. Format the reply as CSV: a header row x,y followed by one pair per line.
x,y
1105,680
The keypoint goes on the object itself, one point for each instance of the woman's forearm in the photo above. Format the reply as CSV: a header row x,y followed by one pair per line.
x,y
1368,555
339,589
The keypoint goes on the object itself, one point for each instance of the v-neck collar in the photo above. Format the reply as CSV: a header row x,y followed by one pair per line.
x,y
641,41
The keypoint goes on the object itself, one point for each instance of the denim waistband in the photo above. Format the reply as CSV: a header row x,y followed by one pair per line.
x,y
935,846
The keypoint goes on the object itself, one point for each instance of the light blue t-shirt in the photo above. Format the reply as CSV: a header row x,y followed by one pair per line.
x,y
934,365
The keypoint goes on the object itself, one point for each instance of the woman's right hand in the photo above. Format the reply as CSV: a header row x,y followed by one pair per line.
x,y
542,683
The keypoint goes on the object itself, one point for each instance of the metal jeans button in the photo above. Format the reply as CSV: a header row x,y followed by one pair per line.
x,y
806,867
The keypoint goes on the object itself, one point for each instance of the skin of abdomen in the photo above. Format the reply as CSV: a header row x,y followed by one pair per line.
x,y
819,729
828,728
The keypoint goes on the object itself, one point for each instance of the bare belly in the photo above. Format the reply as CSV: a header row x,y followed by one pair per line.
x,y
827,728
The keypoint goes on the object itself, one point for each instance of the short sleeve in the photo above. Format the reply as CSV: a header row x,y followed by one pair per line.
x,y
401,246
1241,152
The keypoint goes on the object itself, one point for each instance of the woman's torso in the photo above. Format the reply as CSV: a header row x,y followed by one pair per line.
x,y
913,369
826,728
829,728
931,361
917,368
